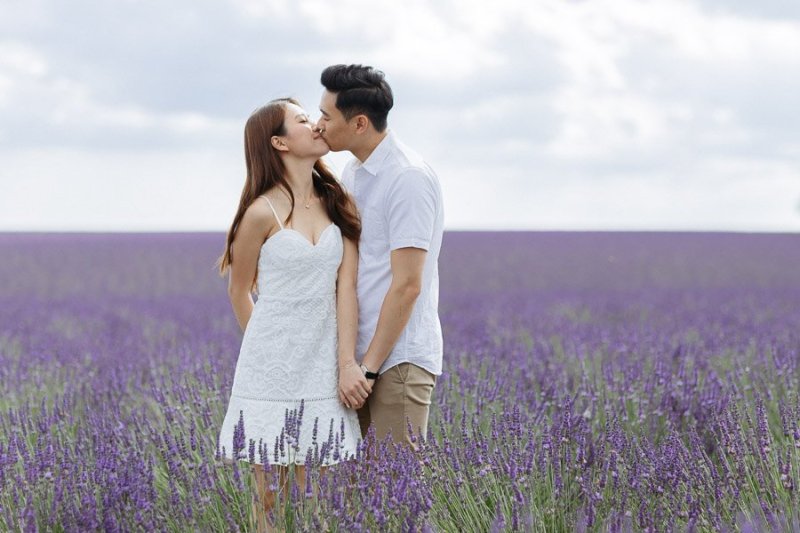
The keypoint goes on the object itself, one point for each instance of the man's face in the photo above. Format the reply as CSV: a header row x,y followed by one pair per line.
x,y
336,130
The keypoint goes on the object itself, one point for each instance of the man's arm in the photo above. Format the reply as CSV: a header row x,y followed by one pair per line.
x,y
407,265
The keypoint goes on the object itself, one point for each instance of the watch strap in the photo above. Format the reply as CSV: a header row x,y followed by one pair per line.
x,y
368,374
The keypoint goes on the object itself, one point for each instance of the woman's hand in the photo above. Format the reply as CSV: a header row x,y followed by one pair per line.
x,y
354,388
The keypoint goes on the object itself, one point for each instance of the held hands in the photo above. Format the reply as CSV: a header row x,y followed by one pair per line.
x,y
354,388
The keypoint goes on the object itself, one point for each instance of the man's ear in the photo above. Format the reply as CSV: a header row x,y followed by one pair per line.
x,y
279,144
362,123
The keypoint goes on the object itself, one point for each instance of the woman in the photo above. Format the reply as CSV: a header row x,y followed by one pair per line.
x,y
294,239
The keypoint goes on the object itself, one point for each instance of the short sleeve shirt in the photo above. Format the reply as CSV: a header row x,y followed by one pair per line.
x,y
400,201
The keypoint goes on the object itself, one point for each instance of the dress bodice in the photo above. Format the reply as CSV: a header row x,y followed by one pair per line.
x,y
290,267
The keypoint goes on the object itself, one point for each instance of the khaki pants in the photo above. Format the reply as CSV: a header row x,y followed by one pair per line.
x,y
400,396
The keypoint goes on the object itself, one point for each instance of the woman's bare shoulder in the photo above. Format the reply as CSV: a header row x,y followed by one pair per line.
x,y
258,218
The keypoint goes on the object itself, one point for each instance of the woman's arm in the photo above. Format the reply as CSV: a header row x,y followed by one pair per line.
x,y
353,386
253,230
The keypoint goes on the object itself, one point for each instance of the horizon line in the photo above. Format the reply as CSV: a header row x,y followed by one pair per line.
x,y
451,230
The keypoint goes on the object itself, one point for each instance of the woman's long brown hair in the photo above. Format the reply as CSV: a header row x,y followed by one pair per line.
x,y
265,170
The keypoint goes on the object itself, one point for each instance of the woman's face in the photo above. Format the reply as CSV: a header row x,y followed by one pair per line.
x,y
300,138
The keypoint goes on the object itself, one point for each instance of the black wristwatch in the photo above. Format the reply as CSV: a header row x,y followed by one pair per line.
x,y
367,373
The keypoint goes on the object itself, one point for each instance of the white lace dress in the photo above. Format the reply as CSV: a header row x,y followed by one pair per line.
x,y
285,386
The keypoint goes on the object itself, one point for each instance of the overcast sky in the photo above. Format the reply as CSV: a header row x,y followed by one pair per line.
x,y
536,114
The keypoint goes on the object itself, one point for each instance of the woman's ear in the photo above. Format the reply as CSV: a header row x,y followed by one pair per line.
x,y
279,144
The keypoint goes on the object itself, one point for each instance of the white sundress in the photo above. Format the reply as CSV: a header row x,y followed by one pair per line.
x,y
287,365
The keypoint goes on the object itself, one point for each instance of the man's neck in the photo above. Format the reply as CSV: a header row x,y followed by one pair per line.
x,y
362,153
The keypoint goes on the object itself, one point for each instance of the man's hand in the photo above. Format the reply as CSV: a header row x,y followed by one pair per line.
x,y
354,388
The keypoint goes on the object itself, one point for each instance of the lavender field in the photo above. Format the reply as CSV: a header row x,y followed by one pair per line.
x,y
593,382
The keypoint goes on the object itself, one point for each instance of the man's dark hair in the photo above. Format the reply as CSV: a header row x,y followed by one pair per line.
x,y
360,90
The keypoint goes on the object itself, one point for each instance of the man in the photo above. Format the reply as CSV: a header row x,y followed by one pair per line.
x,y
400,202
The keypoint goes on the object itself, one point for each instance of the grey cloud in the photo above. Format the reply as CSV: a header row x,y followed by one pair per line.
x,y
199,58
768,9
206,58
191,57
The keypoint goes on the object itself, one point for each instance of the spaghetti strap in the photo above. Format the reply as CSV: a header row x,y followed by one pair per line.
x,y
264,196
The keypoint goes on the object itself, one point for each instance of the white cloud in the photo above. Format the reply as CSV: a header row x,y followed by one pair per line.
x,y
17,62
416,39
263,8
19,58
609,108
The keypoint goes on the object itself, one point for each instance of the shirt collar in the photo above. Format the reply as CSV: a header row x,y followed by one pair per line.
x,y
373,162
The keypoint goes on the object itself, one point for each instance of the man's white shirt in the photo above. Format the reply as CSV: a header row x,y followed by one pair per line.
x,y
400,201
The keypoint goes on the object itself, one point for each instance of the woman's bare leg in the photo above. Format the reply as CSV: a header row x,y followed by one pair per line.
x,y
300,474
300,479
265,498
